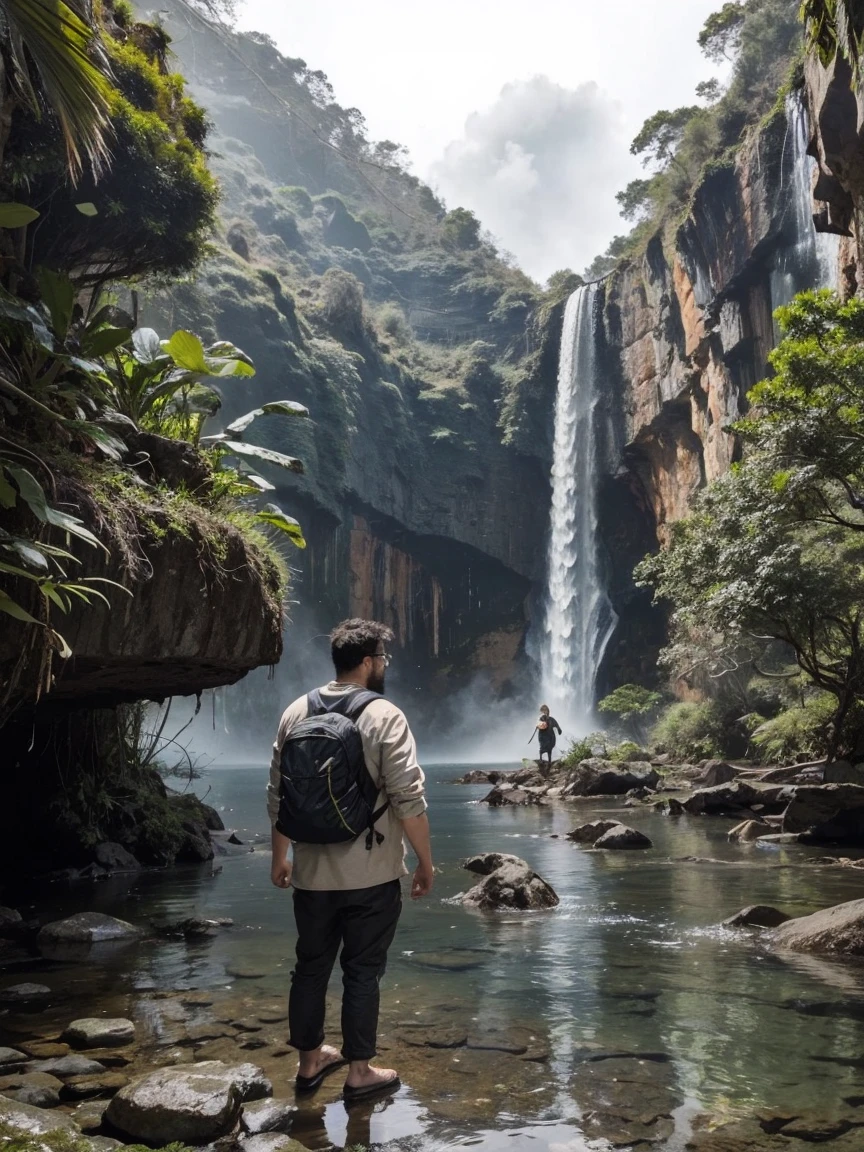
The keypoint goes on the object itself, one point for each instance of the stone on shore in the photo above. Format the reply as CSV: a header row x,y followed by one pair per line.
x,y
623,837
32,1121
99,1033
271,1142
722,798
9,916
24,994
597,777
267,1115
757,916
66,1066
115,858
842,772
588,833
838,930
513,885
827,813
87,928
479,776
11,1058
191,1104
36,1088
718,772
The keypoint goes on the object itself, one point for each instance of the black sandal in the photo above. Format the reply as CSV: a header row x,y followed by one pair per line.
x,y
350,1094
310,1083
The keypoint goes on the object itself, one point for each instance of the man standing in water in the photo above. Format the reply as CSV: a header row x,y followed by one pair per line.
x,y
547,726
346,893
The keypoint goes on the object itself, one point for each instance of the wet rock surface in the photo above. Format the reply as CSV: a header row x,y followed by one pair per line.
x,y
828,813
99,1033
597,777
87,928
622,837
588,833
838,930
757,916
513,885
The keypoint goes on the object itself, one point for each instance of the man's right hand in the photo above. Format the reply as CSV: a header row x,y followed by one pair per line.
x,y
422,881
280,872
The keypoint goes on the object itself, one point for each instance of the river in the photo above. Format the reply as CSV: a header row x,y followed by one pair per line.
x,y
631,967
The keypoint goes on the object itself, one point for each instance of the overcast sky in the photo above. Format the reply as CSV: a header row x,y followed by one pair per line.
x,y
522,110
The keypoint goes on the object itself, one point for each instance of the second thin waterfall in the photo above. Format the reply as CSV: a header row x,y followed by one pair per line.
x,y
579,618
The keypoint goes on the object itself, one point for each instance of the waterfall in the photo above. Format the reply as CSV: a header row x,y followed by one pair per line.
x,y
809,258
579,617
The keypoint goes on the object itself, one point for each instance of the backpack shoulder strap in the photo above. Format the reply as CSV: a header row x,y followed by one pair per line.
x,y
315,705
349,704
356,703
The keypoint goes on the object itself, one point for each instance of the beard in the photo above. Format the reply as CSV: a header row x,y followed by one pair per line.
x,y
376,683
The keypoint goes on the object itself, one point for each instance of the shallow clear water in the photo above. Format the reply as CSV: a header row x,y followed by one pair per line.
x,y
632,961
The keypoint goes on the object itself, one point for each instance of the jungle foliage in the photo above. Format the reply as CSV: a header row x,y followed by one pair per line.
x,y
771,558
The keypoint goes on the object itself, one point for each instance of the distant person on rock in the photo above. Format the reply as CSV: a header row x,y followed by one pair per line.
x,y
547,726
345,787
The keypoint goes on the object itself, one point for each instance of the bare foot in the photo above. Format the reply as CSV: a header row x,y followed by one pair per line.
x,y
369,1077
311,1063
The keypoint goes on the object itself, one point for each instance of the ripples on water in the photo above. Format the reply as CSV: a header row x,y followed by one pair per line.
x,y
632,961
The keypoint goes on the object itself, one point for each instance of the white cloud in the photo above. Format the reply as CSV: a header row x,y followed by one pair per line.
x,y
541,167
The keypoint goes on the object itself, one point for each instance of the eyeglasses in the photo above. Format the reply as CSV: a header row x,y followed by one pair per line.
x,y
385,656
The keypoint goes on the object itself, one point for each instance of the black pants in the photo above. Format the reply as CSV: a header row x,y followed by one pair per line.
x,y
364,922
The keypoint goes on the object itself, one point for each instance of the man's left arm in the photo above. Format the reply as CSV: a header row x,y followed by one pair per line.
x,y
403,781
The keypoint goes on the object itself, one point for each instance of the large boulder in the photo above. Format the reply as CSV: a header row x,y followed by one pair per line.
x,y
721,799
99,1033
87,928
757,916
597,777
623,837
827,813
838,930
489,862
506,795
513,885
192,1104
842,772
718,772
25,994
588,833
115,858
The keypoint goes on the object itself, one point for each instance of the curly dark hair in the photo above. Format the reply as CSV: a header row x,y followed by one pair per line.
x,y
352,640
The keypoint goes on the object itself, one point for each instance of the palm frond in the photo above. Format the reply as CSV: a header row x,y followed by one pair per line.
x,y
53,49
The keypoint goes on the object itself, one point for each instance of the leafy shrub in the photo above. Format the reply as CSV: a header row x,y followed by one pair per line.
x,y
341,298
690,731
584,748
394,323
800,732
622,752
298,199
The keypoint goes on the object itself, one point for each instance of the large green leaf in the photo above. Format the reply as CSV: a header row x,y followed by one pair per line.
x,y
8,495
58,296
28,552
50,38
267,455
33,495
17,215
12,608
147,345
105,340
187,351
273,515
274,408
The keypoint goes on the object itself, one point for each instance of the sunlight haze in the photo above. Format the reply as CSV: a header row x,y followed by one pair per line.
x,y
496,101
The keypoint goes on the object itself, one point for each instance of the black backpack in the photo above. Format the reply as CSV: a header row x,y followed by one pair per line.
x,y
327,794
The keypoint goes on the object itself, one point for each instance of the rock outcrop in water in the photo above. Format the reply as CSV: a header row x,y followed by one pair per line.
x,y
509,882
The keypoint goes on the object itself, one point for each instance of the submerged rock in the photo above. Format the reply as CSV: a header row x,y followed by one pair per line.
x,y
66,1066
748,830
267,1115
99,1033
757,916
621,836
513,885
588,833
25,994
87,928
597,777
503,795
11,1058
838,930
115,858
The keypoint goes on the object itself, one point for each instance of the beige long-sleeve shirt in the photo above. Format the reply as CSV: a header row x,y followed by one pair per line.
x,y
391,757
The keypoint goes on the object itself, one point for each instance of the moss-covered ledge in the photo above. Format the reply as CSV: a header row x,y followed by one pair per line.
x,y
202,604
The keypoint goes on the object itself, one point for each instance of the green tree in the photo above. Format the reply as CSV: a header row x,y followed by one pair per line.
x,y
51,51
720,37
461,229
833,26
661,134
636,200
632,705
775,550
